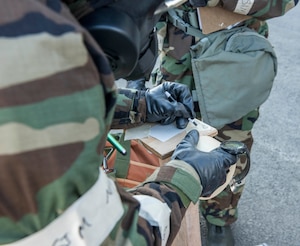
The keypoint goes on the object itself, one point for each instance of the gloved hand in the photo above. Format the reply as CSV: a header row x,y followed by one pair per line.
x,y
178,106
210,166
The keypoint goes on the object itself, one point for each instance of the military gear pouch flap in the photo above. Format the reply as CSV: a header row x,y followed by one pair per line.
x,y
234,72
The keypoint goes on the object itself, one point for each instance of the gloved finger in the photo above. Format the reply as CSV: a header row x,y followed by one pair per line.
x,y
192,138
182,94
181,123
186,145
228,159
182,111
168,120
212,186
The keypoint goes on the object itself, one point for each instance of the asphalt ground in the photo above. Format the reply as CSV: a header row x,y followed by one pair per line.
x,y
269,207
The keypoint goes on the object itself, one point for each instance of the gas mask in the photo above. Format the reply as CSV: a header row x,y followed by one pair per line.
x,y
125,31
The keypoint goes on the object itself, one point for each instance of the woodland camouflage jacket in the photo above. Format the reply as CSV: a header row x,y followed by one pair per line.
x,y
176,44
57,102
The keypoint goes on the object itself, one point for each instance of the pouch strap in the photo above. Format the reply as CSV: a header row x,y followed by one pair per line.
x,y
121,165
175,17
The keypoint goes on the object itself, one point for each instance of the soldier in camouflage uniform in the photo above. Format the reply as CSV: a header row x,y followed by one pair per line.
x,y
57,101
175,65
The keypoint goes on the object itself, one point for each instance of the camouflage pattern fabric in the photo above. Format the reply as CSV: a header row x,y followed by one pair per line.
x,y
57,101
222,209
175,65
262,10
130,110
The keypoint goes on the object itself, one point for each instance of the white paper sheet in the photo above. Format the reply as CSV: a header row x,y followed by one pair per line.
x,y
137,132
164,132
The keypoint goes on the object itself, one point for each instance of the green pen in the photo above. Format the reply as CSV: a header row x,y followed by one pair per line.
x,y
116,144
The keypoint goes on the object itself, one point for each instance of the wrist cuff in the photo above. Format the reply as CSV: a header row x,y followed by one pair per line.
x,y
182,177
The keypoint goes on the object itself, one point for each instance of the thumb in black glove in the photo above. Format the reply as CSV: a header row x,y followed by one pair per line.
x,y
168,102
210,166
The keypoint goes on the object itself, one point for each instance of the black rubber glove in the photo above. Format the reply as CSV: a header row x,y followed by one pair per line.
x,y
210,166
178,106
198,3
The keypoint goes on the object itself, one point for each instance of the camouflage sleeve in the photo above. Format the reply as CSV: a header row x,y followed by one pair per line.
x,y
130,109
262,10
176,184
57,99
182,177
